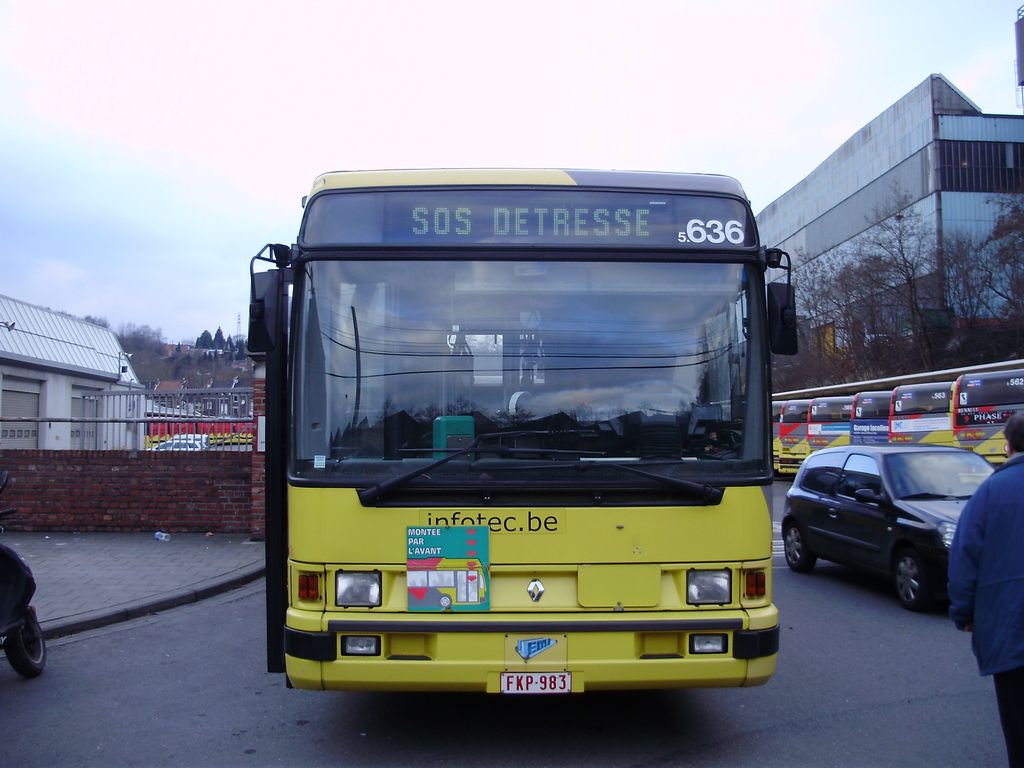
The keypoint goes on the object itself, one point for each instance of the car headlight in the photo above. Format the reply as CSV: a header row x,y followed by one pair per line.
x,y
946,531
708,587
357,589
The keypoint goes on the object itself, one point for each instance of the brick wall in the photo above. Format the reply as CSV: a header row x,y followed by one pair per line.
x,y
195,491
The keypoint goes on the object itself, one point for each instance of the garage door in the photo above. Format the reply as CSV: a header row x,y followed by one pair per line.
x,y
17,402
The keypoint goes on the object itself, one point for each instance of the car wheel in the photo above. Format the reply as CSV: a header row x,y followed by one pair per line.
x,y
911,581
799,556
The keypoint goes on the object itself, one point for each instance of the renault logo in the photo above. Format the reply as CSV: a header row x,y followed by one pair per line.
x,y
535,590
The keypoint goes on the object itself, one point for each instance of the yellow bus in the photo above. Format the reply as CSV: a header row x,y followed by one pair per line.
x,y
869,424
922,413
982,404
793,445
828,422
517,432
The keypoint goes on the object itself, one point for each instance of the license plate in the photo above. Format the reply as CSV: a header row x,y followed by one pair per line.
x,y
536,682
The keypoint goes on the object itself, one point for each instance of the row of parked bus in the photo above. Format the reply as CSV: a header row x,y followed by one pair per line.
x,y
968,412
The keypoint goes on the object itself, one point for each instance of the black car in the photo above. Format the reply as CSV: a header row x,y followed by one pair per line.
x,y
888,509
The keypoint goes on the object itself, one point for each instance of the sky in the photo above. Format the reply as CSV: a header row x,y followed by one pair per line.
x,y
149,150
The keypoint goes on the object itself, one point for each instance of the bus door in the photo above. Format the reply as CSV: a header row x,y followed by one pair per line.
x,y
982,404
869,421
828,422
920,413
793,448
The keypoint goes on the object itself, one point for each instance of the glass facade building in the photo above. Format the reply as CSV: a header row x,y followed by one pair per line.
x,y
934,147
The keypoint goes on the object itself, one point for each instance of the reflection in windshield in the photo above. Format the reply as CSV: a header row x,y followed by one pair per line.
x,y
401,362
937,474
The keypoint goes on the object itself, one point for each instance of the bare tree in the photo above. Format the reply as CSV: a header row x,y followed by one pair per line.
x,y
898,254
895,300
1007,242
824,289
874,307
968,275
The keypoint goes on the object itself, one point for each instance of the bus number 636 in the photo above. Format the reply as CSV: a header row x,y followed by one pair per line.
x,y
712,231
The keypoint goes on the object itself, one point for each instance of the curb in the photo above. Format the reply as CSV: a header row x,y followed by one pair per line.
x,y
69,625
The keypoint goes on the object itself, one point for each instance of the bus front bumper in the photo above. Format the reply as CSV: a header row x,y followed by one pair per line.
x,y
789,465
720,649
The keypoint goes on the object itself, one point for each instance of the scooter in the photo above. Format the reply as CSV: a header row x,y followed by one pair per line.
x,y
21,637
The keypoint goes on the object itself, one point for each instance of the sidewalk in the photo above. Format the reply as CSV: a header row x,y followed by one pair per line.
x,y
89,580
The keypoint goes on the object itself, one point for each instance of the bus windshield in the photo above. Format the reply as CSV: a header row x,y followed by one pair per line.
x,y
827,409
547,365
795,412
922,399
872,405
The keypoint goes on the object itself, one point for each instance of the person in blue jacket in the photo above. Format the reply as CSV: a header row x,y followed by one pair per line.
x,y
986,583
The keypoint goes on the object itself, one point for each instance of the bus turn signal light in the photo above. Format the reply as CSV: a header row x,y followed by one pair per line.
x,y
309,587
756,583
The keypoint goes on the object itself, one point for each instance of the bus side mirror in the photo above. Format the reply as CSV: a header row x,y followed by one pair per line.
x,y
263,311
782,318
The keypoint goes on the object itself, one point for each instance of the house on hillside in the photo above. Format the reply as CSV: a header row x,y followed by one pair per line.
x,y
58,377
169,385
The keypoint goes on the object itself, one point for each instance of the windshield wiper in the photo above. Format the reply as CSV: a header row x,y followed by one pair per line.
x,y
928,496
701,491
375,493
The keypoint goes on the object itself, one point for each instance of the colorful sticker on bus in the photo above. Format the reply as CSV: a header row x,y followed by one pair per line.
x,y
447,568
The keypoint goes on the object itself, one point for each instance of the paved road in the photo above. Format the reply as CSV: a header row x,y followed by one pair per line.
x,y
860,682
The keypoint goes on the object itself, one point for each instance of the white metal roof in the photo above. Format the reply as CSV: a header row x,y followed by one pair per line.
x,y
41,338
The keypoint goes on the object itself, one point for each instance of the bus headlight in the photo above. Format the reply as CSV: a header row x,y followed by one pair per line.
x,y
946,531
708,644
708,587
360,645
357,589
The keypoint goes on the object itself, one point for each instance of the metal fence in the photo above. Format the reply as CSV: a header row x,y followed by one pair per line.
x,y
182,420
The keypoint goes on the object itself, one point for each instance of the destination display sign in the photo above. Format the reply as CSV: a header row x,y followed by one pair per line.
x,y
519,217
